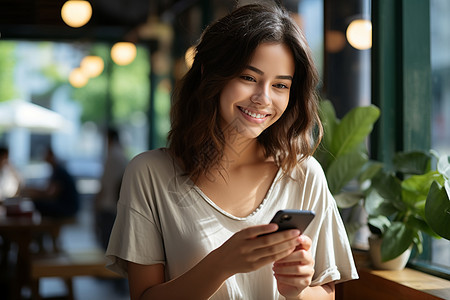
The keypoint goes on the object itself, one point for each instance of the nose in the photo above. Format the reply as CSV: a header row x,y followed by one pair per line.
x,y
261,96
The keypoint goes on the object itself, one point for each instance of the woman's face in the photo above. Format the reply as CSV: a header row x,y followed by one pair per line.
x,y
257,98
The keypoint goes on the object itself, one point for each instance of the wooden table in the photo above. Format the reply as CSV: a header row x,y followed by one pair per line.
x,y
406,284
20,230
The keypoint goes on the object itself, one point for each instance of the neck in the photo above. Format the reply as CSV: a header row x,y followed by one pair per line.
x,y
242,152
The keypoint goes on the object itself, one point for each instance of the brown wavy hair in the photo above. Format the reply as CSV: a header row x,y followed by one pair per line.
x,y
225,49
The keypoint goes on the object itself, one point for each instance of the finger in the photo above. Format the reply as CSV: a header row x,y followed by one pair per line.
x,y
268,247
304,242
293,270
269,256
298,256
255,231
281,236
297,281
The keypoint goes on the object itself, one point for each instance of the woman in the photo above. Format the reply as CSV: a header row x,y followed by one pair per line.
x,y
192,219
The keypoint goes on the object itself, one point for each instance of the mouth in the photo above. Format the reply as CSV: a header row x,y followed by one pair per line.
x,y
256,115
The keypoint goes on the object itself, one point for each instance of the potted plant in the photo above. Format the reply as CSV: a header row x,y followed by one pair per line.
x,y
406,201
403,201
343,155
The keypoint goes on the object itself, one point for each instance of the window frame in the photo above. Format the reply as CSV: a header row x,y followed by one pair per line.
x,y
401,88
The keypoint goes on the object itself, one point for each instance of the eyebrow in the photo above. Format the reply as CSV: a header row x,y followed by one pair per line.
x,y
288,77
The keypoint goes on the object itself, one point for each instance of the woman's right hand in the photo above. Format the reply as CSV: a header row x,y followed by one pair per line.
x,y
252,248
245,251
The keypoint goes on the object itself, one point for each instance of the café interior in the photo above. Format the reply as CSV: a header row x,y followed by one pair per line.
x,y
70,69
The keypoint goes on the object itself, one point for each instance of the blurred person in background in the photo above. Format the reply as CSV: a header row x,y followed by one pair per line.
x,y
10,183
111,180
10,180
60,198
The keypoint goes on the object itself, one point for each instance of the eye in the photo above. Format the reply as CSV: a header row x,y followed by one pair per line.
x,y
248,78
281,86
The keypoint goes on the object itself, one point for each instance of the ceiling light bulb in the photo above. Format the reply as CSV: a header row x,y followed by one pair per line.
x,y
77,78
76,13
335,41
123,53
359,34
92,66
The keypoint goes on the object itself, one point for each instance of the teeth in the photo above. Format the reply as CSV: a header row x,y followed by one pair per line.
x,y
253,115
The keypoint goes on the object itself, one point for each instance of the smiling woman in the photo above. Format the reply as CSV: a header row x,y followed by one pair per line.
x,y
192,219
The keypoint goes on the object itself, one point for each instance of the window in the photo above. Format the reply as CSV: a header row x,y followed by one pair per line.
x,y
436,257
39,71
406,55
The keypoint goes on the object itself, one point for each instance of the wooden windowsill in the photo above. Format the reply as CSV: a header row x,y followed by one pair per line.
x,y
406,284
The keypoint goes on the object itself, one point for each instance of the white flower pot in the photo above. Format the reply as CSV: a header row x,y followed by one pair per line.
x,y
397,263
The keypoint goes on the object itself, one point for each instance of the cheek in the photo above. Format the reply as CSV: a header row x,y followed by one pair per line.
x,y
232,94
281,104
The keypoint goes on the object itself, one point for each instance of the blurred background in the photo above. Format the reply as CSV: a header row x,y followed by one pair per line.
x,y
114,63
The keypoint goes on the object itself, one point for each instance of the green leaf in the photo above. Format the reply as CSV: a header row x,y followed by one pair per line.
x,y
389,187
420,224
416,187
419,208
347,199
380,222
375,205
323,156
344,169
437,210
396,240
353,129
329,121
415,162
370,170
418,241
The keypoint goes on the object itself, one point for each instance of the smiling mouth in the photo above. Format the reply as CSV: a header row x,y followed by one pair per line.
x,y
253,114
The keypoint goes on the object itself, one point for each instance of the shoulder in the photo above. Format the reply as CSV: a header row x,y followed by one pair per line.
x,y
152,163
309,167
308,172
150,158
146,173
312,163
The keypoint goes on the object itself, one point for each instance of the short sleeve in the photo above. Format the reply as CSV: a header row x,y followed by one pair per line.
x,y
333,259
331,248
136,234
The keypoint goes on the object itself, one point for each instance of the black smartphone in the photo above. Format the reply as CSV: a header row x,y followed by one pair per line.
x,y
293,219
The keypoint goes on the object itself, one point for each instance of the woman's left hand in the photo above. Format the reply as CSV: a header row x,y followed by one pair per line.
x,y
294,273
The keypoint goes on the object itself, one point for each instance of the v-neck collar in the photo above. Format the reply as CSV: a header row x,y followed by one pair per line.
x,y
191,184
229,215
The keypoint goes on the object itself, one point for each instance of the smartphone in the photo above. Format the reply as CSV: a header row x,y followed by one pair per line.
x,y
293,219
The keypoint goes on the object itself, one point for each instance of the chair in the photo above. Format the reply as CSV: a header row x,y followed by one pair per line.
x,y
66,265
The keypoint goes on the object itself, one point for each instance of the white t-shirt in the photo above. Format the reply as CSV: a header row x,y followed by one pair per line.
x,y
162,217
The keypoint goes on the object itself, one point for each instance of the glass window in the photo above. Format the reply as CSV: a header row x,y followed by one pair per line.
x,y
40,72
440,72
437,256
